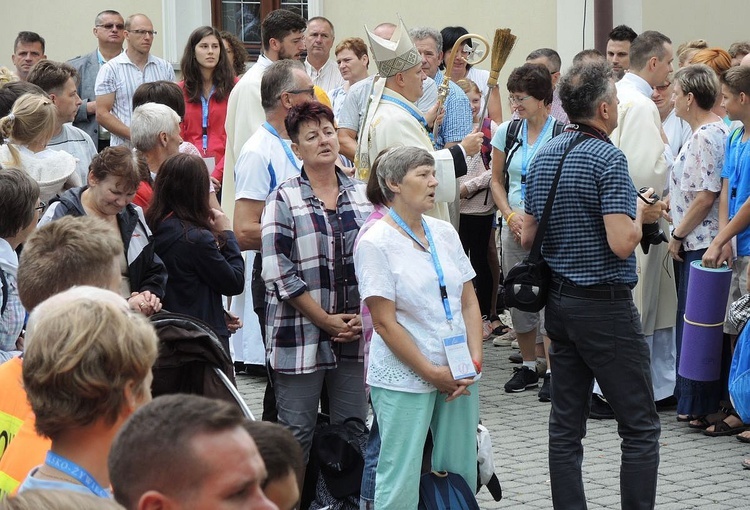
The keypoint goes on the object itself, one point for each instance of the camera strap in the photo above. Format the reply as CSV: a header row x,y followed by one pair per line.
x,y
536,249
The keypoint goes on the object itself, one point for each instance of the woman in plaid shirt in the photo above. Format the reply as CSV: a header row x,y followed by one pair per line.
x,y
313,328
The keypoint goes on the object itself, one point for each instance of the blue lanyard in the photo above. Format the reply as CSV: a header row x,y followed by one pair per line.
x,y
528,155
417,115
75,471
289,153
204,108
435,260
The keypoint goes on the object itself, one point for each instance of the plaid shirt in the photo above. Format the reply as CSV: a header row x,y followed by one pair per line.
x,y
298,250
458,120
12,320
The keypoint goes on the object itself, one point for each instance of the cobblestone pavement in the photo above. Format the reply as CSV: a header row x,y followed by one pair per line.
x,y
695,471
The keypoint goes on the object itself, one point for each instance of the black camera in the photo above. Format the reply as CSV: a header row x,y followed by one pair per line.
x,y
652,233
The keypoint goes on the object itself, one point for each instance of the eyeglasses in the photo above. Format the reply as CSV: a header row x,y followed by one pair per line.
x,y
41,207
143,32
662,88
110,26
310,91
517,100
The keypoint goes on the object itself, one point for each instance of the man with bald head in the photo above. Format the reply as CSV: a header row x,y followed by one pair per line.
x,y
118,78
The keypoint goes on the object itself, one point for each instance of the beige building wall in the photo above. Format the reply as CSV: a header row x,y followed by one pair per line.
x,y
66,25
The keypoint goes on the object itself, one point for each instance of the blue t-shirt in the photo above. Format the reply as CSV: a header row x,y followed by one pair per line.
x,y
31,483
594,182
737,171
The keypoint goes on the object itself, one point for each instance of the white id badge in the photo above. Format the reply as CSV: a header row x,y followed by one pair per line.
x,y
459,357
210,164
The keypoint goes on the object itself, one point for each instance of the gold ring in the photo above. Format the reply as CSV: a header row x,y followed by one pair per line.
x,y
143,303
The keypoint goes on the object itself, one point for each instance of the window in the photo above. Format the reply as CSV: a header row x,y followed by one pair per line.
x,y
243,17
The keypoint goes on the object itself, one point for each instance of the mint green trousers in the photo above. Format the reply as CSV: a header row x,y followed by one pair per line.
x,y
404,419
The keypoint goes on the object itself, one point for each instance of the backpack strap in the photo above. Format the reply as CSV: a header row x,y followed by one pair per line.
x,y
512,143
557,128
6,291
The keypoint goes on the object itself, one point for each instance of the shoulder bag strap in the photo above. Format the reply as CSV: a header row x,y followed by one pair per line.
x,y
512,144
536,248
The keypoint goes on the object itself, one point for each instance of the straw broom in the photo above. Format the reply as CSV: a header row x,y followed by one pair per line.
x,y
502,45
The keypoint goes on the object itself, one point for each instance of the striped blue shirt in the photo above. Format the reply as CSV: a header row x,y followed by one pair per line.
x,y
122,77
458,120
594,182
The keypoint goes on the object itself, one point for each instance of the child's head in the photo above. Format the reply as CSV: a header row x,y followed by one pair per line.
x,y
735,91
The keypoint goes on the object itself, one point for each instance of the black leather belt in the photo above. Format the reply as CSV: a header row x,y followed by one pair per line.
x,y
603,292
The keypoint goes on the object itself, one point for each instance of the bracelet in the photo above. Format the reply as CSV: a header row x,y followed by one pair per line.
x,y
477,366
676,237
507,220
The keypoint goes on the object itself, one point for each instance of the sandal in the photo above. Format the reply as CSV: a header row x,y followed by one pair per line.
x,y
746,463
723,428
705,421
744,437
499,330
683,418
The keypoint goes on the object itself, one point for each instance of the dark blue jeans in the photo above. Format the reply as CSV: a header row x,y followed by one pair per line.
x,y
372,453
602,339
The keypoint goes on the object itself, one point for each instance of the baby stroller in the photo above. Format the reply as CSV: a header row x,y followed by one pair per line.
x,y
192,360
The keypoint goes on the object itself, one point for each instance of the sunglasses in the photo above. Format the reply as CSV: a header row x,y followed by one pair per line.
x,y
110,26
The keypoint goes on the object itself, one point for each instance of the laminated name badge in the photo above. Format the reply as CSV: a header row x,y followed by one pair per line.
x,y
210,164
459,357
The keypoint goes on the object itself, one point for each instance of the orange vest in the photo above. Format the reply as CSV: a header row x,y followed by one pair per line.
x,y
21,449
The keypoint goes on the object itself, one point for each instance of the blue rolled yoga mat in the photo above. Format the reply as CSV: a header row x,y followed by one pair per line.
x,y
705,309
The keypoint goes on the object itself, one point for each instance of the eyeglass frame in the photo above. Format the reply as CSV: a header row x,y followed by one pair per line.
x,y
41,207
143,33
310,91
515,100
110,26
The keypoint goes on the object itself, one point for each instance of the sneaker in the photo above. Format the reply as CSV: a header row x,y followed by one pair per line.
x,y
600,408
486,329
544,391
523,379
541,366
514,344
515,358
504,340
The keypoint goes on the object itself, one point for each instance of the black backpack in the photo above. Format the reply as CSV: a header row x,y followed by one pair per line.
x,y
513,143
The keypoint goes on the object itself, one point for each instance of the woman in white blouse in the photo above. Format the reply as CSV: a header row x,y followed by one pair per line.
x,y
694,186
417,282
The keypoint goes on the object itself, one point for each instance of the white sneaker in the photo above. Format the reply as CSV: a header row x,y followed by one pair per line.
x,y
504,340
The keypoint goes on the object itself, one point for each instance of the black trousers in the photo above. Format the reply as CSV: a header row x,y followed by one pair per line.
x,y
602,338
474,232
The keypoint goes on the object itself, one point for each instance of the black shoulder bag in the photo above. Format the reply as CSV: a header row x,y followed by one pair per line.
x,y
527,283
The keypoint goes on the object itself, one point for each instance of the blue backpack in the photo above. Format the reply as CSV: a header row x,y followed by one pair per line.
x,y
440,490
739,376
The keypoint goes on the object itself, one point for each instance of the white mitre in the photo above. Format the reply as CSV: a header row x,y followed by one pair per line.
x,y
396,55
